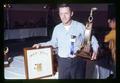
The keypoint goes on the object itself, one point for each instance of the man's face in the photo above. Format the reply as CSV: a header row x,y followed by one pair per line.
x,y
65,14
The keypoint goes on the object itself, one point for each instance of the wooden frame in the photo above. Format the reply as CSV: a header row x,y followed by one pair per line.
x,y
38,62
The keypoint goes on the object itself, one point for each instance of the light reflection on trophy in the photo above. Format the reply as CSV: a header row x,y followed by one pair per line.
x,y
86,50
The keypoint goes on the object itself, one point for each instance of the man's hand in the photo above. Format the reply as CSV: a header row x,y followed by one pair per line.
x,y
87,48
36,45
94,56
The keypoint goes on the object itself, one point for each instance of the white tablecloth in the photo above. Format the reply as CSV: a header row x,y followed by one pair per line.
x,y
17,70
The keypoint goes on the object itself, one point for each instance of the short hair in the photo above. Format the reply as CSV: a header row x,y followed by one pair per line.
x,y
65,5
113,19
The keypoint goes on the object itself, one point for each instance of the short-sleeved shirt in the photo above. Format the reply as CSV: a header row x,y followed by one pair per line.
x,y
61,38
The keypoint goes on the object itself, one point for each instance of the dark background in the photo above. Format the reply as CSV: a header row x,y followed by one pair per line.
x,y
16,46
23,16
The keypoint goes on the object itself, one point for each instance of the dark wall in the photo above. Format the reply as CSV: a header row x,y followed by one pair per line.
x,y
39,18
27,19
27,16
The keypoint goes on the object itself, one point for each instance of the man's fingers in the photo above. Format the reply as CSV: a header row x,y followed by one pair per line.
x,y
93,56
35,46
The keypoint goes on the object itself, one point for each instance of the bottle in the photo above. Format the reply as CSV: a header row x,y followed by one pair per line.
x,y
72,44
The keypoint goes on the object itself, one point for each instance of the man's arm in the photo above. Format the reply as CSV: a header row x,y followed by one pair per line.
x,y
95,46
52,42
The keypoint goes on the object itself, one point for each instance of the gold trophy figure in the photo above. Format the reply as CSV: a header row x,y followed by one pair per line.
x,y
38,67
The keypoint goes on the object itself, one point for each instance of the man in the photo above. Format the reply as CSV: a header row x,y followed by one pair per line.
x,y
68,36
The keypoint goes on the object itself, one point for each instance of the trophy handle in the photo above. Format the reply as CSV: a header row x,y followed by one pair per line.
x,y
85,50
88,29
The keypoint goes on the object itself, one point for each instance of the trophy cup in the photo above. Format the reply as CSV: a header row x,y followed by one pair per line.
x,y
7,58
86,50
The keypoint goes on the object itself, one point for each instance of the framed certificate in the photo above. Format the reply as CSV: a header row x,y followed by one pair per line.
x,y
38,62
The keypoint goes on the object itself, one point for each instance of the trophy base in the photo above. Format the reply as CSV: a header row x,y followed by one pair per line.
x,y
84,55
7,62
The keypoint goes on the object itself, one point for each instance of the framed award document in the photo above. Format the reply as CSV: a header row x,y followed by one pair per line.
x,y
38,62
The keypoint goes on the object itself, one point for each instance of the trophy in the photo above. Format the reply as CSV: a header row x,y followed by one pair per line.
x,y
7,58
86,50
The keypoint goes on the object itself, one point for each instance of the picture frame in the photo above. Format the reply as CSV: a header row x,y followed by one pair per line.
x,y
38,62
